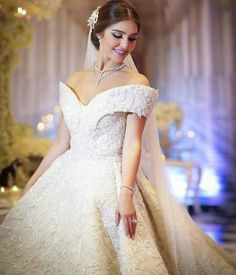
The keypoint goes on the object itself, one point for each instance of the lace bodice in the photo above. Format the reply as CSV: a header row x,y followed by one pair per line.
x,y
97,129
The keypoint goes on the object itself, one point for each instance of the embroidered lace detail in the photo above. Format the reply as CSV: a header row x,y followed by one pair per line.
x,y
97,130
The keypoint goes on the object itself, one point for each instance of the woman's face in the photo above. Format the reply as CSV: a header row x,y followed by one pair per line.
x,y
119,40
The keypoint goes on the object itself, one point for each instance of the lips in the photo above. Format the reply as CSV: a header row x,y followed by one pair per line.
x,y
120,53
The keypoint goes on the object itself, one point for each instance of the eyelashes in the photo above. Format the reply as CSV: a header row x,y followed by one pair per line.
x,y
117,36
120,36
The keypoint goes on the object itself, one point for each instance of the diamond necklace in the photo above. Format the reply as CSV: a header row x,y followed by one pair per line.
x,y
99,74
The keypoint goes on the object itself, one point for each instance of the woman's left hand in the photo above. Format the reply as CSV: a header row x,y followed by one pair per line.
x,y
125,210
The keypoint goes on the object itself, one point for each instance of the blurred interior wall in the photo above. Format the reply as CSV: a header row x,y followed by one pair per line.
x,y
57,51
195,66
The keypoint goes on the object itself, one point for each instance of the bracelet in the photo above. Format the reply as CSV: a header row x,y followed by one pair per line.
x,y
128,187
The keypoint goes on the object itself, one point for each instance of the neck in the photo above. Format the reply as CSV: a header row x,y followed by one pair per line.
x,y
106,63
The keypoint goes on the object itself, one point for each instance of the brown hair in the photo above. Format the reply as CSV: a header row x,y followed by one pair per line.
x,y
112,12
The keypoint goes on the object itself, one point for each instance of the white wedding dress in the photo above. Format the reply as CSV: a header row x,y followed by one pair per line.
x,y
65,223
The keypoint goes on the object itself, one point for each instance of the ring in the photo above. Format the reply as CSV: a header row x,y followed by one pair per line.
x,y
134,221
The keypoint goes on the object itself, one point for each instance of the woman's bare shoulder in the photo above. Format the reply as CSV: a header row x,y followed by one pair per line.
x,y
73,79
137,78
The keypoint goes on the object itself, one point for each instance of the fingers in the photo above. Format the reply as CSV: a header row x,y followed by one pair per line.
x,y
126,226
129,221
130,227
117,217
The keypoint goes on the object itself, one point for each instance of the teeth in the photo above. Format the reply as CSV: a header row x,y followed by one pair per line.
x,y
120,52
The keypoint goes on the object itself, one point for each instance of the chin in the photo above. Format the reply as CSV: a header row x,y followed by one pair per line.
x,y
119,59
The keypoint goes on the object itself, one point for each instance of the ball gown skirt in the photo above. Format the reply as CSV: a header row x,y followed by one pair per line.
x,y
65,223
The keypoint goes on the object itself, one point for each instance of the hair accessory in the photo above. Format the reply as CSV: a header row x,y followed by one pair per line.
x,y
93,18
134,221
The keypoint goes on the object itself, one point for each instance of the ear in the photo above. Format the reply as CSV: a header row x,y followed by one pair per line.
x,y
99,35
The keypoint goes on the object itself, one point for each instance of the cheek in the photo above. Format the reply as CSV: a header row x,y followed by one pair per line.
x,y
114,41
132,46
110,40
109,44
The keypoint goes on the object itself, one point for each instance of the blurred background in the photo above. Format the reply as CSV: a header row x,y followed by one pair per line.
x,y
187,48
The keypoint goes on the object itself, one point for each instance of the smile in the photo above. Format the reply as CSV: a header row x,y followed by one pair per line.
x,y
120,53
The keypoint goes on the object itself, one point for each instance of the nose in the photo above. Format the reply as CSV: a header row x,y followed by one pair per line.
x,y
125,43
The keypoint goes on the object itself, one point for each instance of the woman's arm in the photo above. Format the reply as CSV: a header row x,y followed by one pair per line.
x,y
130,163
61,144
132,143
131,151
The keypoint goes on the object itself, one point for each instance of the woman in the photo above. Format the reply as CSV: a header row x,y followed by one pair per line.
x,y
68,220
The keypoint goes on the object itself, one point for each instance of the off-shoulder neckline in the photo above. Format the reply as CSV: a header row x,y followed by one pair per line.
x,y
103,92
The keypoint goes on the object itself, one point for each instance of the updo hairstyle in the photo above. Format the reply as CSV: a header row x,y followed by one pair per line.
x,y
112,12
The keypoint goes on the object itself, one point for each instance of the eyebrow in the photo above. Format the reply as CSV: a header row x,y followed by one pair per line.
x,y
124,32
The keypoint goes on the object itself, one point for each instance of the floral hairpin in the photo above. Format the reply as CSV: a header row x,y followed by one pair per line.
x,y
93,18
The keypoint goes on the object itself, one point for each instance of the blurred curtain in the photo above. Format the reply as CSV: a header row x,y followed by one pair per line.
x,y
195,67
57,51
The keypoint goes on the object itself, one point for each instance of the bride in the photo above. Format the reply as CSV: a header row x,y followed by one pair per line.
x,y
99,202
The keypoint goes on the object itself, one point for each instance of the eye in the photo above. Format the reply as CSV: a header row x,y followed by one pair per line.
x,y
117,35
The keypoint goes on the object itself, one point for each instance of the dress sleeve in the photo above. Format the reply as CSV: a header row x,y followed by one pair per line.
x,y
68,106
62,96
139,99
